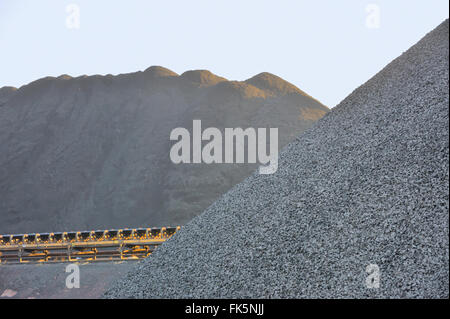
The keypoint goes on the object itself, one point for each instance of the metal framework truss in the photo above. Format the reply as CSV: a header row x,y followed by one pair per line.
x,y
96,245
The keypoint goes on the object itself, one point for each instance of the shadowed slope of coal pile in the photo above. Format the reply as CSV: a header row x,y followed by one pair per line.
x,y
367,184
6,93
92,152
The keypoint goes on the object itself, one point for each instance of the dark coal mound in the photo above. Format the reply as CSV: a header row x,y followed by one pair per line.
x,y
92,152
368,184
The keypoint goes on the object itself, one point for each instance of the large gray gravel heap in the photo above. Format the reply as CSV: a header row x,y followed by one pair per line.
x,y
368,184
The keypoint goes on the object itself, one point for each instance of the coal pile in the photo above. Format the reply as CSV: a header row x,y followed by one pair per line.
x,y
92,152
367,184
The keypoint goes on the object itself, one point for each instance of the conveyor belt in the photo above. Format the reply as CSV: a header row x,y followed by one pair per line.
x,y
97,245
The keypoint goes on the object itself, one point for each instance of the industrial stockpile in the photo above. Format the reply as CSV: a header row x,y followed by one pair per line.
x,y
364,192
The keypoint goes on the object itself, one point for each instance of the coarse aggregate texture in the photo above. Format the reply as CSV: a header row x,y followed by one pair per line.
x,y
367,184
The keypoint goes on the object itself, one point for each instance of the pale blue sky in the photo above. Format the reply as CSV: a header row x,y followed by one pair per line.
x,y
323,47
